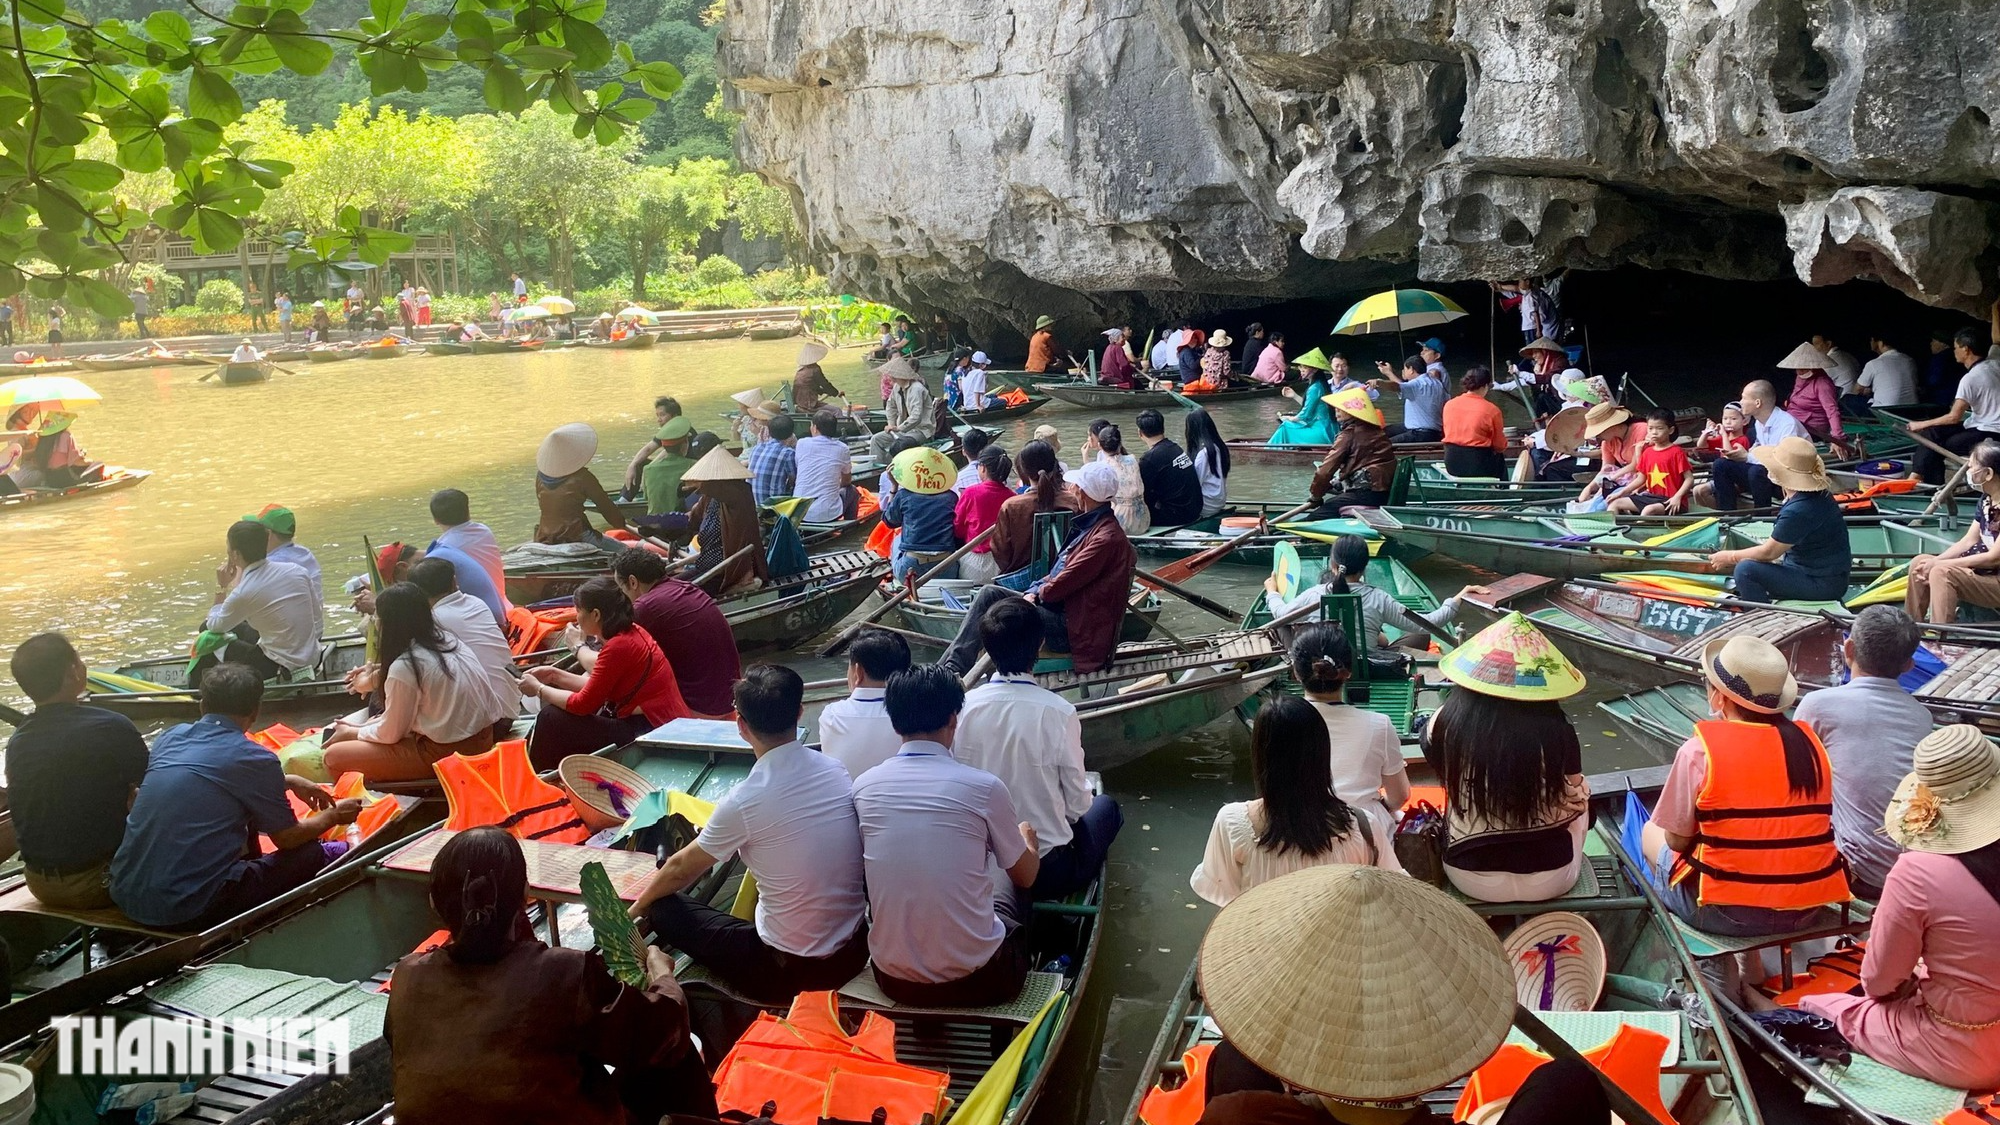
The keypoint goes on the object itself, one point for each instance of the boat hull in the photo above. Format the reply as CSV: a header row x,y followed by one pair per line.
x,y
236,374
1096,397
114,480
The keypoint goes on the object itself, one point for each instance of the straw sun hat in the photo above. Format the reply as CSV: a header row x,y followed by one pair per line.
x,y
1220,339
1544,344
1751,671
1558,962
1357,983
812,351
566,449
1354,402
1793,463
1512,659
1950,804
1805,357
1565,430
1603,416
717,464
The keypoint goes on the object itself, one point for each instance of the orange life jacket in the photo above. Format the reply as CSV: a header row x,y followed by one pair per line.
x,y
806,1066
1828,975
1757,843
535,630
1631,1059
1182,1105
500,787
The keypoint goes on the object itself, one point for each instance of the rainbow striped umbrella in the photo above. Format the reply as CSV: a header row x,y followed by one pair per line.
x,y
1397,310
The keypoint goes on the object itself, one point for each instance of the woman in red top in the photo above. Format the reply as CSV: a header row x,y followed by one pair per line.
x,y
978,509
630,689
1475,434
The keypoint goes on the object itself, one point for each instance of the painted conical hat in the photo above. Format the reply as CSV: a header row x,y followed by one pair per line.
x,y
1558,962
1314,359
1355,402
1565,429
923,470
1513,660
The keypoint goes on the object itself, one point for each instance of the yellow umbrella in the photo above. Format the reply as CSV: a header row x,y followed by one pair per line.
x,y
60,391
560,306
1397,310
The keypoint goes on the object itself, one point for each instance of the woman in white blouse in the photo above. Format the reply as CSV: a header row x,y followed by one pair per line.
x,y
1296,821
1128,504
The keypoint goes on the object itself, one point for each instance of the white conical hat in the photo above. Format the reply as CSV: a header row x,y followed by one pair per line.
x,y
1806,357
566,449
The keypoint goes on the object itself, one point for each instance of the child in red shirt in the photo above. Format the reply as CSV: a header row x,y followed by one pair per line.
x,y
1732,434
1661,475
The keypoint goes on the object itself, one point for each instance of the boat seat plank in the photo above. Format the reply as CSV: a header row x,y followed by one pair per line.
x,y
20,900
1830,922
1888,1092
863,993
239,991
1766,624
1587,1030
1596,888
554,870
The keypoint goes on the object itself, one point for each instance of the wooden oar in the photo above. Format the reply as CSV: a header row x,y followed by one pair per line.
x,y
718,568
839,644
1950,486
1180,570
1206,604
10,716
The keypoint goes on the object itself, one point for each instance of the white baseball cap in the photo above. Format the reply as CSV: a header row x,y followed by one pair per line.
x,y
980,358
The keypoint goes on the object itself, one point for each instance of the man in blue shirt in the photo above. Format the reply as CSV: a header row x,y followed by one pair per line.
x,y
774,467
71,770
1424,385
208,792
394,561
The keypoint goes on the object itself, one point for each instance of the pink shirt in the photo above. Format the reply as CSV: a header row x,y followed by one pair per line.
x,y
1932,908
1270,365
978,509
1816,404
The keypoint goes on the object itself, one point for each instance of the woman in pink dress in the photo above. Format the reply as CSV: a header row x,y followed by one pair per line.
x,y
1815,401
1932,1006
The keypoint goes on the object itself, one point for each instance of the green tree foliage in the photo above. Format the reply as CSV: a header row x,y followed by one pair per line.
x,y
392,165
219,296
548,180
164,89
669,209
764,211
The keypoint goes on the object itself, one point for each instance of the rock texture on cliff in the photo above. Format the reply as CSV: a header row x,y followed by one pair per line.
x,y
1103,158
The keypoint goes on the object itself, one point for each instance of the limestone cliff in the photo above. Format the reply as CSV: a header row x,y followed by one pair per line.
x,y
1095,158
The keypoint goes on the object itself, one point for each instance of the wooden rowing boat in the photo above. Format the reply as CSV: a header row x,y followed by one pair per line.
x,y
384,351
774,331
854,424
1688,420
233,374
113,479
1095,397
530,584
1587,546
320,696
792,611
447,348
934,616
635,340
334,353
716,332
1654,985
130,362
37,367
1156,692
490,346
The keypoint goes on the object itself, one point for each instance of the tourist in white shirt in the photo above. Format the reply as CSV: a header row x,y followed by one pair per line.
x,y
824,470
1296,820
972,442
1368,770
1169,345
856,731
1889,379
941,933
1846,370
433,700
1031,739
466,620
280,547
272,608
972,384
245,352
1734,472
451,510
1974,415
792,820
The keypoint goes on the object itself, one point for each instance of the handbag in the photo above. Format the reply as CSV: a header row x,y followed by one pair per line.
x,y
1419,843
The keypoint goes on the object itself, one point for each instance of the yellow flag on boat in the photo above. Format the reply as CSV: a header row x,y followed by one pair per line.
x,y
1889,588
988,1101
789,507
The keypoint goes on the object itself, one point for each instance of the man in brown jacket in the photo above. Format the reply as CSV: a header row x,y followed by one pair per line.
x,y
1083,596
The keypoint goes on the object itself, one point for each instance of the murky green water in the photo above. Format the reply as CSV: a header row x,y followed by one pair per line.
x,y
356,448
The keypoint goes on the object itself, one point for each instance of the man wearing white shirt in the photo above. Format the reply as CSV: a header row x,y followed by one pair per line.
x,y
1846,370
942,931
1889,379
1165,350
1734,472
451,510
271,607
466,620
1975,407
793,822
1031,739
972,384
856,731
823,468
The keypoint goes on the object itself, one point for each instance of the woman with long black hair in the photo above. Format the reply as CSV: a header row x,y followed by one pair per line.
x,y
1041,479
1512,766
1211,461
434,699
630,689
1296,820
1742,838
494,1026
1368,770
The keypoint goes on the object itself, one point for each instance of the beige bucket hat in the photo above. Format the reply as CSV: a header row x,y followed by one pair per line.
x,y
1950,804
1794,463
566,449
1360,984
1219,339
1603,416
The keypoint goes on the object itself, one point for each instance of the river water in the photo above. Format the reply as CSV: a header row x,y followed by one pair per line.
x,y
356,448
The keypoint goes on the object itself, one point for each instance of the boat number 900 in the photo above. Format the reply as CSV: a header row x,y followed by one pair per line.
x,y
1446,523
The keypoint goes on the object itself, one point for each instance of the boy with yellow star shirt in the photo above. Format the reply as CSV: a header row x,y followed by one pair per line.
x,y
1661,476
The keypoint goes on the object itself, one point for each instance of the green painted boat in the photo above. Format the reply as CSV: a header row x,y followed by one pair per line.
x,y
532,584
935,615
1653,984
629,343
487,345
384,351
792,611
1096,397
334,353
236,374
322,695
1154,692
113,479
1591,545
443,348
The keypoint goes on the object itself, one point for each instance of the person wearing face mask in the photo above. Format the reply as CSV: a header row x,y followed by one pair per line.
x,y
1970,571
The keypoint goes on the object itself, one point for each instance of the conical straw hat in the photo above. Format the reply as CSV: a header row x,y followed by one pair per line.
x,y
1558,962
1357,983
747,399
923,470
898,369
1513,660
566,449
1806,357
1354,402
1544,344
1314,359
717,465
1565,430
812,351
